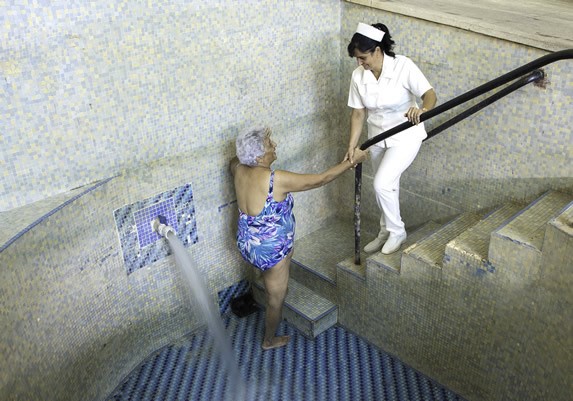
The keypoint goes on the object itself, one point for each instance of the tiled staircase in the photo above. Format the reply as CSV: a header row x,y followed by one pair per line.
x,y
509,239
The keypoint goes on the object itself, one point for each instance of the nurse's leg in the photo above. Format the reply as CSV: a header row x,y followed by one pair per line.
x,y
376,155
387,183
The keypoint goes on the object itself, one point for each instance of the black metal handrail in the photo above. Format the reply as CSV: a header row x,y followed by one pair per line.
x,y
534,76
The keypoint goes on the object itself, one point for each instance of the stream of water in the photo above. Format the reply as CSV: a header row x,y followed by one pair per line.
x,y
200,294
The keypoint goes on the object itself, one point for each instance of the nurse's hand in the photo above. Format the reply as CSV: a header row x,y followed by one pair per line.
x,y
359,155
413,115
349,155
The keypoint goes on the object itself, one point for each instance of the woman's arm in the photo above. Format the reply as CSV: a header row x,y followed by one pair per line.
x,y
429,100
286,181
356,122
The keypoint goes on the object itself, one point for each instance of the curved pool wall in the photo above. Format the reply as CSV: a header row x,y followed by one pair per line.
x,y
154,95
76,317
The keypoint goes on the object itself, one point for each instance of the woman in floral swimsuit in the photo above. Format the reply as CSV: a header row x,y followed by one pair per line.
x,y
265,235
267,238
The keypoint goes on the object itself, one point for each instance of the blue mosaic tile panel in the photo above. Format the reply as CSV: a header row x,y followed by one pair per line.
x,y
145,233
140,245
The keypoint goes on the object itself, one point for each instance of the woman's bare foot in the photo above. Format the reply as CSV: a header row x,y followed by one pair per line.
x,y
276,342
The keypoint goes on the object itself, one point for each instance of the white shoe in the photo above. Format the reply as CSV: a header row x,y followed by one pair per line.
x,y
377,242
394,243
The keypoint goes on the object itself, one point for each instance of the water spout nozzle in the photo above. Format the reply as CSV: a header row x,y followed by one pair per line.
x,y
158,225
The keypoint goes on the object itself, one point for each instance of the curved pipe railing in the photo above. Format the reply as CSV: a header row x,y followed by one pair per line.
x,y
463,98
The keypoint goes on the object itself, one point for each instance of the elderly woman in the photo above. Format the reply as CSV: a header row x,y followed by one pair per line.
x,y
265,235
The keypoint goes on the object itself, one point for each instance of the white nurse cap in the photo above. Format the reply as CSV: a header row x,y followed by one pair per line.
x,y
370,32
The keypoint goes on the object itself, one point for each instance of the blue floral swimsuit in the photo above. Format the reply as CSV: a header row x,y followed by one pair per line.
x,y
266,239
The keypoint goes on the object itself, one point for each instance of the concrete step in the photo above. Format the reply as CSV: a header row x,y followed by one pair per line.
x,y
426,255
470,249
320,251
515,247
557,258
323,257
392,262
307,311
313,280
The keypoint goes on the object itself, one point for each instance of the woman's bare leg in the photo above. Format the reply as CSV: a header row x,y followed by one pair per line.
x,y
276,284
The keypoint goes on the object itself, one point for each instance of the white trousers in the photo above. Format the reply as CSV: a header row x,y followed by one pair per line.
x,y
388,165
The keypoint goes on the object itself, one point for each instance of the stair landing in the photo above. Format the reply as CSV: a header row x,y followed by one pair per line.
x,y
321,250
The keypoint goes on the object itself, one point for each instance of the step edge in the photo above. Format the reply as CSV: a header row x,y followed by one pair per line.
x,y
359,276
448,224
376,264
329,305
411,250
420,258
530,206
456,245
506,238
330,310
314,272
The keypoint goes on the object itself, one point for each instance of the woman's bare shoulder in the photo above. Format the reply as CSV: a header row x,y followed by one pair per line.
x,y
252,175
282,175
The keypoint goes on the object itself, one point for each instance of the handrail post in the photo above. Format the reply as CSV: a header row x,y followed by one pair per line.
x,y
357,192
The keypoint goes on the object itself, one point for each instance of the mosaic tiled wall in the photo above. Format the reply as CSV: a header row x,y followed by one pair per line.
x,y
92,89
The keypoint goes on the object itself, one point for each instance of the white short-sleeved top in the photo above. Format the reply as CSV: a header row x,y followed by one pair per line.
x,y
389,98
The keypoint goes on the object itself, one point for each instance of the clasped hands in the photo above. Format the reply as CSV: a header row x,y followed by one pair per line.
x,y
355,155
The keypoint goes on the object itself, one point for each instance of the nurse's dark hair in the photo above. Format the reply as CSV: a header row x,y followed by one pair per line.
x,y
366,45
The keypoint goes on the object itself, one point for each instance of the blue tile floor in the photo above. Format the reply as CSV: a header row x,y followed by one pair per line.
x,y
335,366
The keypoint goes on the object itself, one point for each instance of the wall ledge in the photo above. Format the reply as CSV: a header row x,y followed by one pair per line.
x,y
540,24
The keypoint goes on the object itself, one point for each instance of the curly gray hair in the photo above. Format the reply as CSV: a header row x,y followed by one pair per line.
x,y
250,144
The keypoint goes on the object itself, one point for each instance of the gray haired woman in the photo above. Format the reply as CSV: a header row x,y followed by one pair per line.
x,y
265,235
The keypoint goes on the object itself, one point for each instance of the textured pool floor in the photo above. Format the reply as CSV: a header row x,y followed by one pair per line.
x,y
337,365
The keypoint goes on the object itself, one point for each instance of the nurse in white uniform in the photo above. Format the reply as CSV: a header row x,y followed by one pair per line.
x,y
385,88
